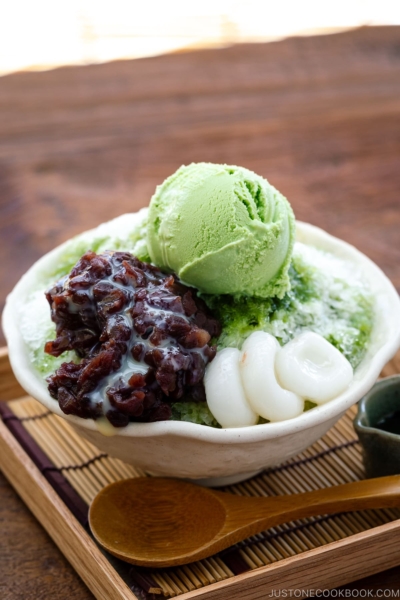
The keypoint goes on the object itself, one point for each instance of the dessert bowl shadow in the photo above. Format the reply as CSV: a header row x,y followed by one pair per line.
x,y
221,456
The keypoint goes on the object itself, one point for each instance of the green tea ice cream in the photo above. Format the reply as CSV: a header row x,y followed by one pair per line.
x,y
223,229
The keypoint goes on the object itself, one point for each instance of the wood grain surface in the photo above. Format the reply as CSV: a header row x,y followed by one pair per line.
x,y
319,117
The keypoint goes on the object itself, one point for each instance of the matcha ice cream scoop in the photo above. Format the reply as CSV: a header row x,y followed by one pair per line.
x,y
223,229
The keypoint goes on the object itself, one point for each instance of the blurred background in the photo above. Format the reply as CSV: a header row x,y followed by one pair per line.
x,y
100,101
48,33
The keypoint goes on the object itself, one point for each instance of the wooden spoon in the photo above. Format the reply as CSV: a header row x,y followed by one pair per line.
x,y
155,522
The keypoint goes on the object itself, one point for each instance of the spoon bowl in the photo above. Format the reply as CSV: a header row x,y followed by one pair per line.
x,y
155,522
158,511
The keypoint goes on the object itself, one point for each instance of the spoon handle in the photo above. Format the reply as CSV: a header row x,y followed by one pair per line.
x,y
383,492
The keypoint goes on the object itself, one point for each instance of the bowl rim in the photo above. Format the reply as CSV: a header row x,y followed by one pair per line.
x,y
32,382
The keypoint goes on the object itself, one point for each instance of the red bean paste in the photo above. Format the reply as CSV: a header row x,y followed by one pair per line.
x,y
142,336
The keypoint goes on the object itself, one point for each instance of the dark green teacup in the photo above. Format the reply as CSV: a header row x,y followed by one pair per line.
x,y
381,449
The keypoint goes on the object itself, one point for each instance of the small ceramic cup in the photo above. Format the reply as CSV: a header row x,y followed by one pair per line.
x,y
381,449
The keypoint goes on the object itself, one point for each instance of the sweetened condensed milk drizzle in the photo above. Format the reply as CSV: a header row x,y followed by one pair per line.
x,y
142,336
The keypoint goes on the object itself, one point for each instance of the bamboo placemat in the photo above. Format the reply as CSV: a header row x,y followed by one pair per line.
x,y
78,471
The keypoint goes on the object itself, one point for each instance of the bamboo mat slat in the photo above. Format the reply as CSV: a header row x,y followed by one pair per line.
x,y
332,460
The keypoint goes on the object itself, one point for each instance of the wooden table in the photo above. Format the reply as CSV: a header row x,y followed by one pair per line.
x,y
319,117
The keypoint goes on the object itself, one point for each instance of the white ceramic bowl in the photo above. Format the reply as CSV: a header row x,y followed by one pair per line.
x,y
220,456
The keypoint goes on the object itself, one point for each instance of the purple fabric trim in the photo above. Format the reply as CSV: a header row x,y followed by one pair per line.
x,y
144,580
53,475
235,561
